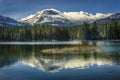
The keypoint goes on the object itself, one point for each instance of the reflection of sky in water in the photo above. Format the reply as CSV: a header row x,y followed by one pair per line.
x,y
108,47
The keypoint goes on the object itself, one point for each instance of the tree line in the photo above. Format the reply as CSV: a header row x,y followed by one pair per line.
x,y
94,31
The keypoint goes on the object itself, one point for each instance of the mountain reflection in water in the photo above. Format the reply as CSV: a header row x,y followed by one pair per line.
x,y
55,63
31,56
20,61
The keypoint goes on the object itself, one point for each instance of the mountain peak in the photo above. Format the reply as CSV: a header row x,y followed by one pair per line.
x,y
50,11
42,13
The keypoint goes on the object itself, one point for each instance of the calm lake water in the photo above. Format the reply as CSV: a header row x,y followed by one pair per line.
x,y
27,62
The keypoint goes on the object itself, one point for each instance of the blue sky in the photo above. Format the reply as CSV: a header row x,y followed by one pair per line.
x,y
20,8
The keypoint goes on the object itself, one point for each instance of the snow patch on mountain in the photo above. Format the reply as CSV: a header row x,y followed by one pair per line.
x,y
28,17
84,16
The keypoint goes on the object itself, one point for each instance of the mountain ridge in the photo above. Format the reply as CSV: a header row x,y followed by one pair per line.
x,y
9,21
57,18
115,16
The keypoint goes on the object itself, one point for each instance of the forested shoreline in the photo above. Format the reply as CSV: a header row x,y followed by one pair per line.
x,y
94,31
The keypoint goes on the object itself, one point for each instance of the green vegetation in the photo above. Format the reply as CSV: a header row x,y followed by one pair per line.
x,y
94,31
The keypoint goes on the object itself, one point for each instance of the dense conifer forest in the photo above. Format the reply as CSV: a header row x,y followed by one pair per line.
x,y
94,31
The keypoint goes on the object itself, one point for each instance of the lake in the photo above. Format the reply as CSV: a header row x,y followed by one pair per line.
x,y
25,61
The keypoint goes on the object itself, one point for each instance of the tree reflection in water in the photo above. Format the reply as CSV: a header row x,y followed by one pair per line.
x,y
31,56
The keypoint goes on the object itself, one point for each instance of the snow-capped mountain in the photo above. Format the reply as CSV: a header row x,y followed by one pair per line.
x,y
9,21
48,16
57,18
109,18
